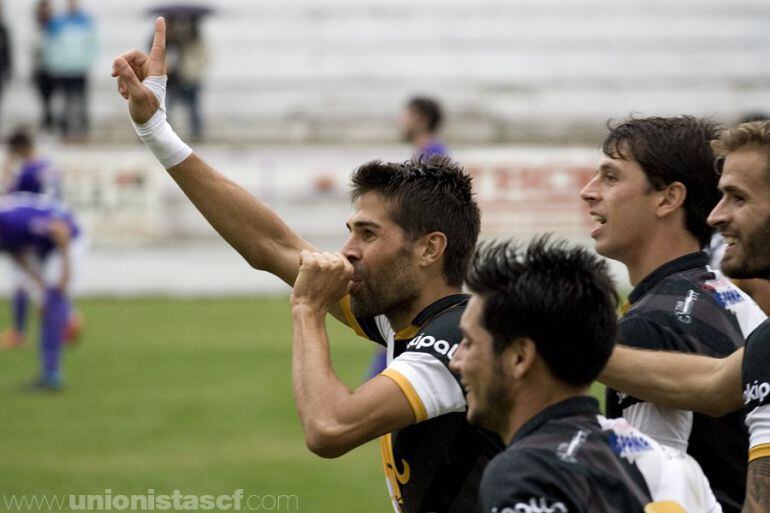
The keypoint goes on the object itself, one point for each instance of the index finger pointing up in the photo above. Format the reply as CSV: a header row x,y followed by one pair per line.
x,y
158,51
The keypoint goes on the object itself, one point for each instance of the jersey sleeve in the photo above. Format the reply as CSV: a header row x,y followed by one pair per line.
x,y
756,391
637,331
422,370
374,328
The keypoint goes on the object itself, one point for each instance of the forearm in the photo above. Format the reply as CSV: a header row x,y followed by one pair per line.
x,y
676,380
319,394
249,226
758,487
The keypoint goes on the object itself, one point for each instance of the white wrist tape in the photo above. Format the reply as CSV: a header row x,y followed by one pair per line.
x,y
157,134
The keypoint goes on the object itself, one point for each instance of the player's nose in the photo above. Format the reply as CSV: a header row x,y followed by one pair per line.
x,y
590,192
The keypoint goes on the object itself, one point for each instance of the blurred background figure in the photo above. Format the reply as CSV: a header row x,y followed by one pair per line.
x,y
6,54
70,50
187,60
41,235
26,173
42,78
420,122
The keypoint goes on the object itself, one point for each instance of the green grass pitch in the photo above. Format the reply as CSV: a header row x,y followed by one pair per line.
x,y
168,394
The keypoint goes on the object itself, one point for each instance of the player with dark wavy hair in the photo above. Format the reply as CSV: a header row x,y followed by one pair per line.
x,y
538,328
650,199
719,386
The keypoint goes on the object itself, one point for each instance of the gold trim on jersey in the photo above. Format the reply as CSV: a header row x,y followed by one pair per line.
x,y
395,477
759,451
347,311
407,333
420,413
664,507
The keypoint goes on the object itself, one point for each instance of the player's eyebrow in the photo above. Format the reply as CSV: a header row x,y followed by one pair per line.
x,y
732,189
363,224
607,166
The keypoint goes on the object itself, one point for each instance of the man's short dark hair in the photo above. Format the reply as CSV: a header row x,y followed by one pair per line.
x,y
675,149
560,297
428,109
431,194
20,139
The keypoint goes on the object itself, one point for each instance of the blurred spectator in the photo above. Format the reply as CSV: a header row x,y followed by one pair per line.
x,y
186,64
70,51
6,64
44,82
420,123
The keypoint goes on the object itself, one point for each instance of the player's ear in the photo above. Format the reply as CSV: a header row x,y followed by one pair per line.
x,y
671,198
520,357
431,248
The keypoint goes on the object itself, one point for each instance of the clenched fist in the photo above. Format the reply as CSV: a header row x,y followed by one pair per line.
x,y
323,279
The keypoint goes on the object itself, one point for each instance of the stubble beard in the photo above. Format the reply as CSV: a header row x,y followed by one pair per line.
x,y
390,293
755,258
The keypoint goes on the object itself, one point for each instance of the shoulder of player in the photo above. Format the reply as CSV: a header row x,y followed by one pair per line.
x,y
521,470
446,324
760,335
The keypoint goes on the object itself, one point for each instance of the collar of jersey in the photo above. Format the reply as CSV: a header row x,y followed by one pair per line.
x,y
428,313
578,405
683,263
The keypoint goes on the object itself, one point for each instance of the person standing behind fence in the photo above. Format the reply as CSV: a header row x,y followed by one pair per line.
x,y
185,72
70,51
44,82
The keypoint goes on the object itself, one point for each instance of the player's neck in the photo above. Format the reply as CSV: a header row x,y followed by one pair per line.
x,y
533,400
658,251
430,294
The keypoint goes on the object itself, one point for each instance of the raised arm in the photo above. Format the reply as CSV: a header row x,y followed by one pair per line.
x,y
677,380
254,230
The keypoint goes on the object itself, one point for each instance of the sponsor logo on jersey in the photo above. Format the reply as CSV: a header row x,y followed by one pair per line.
x,y
534,505
724,292
442,347
566,451
756,391
683,309
629,445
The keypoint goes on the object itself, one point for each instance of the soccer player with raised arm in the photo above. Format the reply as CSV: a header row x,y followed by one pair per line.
x,y
397,281
650,198
721,386
538,328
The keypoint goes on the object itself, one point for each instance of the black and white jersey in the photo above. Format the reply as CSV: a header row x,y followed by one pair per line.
x,y
569,459
756,391
688,307
434,465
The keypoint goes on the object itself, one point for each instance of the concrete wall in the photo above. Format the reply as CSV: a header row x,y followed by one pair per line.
x,y
507,70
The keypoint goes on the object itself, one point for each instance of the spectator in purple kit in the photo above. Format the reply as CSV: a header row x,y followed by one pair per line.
x,y
420,123
41,236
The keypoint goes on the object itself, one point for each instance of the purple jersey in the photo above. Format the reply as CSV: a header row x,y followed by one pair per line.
x,y
433,147
37,176
24,223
